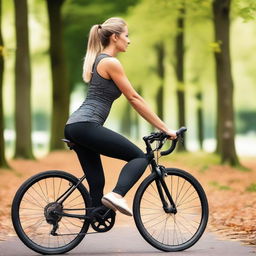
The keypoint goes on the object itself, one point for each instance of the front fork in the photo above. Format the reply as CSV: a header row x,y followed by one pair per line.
x,y
168,205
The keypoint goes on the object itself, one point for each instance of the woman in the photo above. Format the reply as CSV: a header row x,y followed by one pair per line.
x,y
107,81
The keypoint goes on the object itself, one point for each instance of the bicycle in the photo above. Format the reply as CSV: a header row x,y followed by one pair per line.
x,y
52,212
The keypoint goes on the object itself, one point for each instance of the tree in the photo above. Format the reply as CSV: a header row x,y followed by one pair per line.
x,y
60,86
3,162
179,68
23,145
160,68
225,108
199,115
198,19
126,120
136,118
78,17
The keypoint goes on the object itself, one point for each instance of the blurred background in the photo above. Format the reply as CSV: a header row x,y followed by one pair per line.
x,y
193,62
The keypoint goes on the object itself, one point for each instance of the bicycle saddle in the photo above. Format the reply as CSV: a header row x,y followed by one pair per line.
x,y
69,143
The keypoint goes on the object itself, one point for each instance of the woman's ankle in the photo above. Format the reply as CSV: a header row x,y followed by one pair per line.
x,y
117,195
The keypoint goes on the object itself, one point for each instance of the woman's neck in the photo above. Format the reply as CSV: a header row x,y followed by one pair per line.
x,y
111,51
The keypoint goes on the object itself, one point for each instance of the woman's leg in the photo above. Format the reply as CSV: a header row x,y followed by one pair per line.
x,y
92,167
104,141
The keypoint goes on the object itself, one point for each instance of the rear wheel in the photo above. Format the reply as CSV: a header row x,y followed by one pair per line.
x,y
34,215
171,231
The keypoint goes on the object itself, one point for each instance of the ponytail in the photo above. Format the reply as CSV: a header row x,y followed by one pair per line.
x,y
93,49
99,39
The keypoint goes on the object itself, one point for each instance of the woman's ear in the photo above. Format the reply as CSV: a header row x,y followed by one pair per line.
x,y
114,37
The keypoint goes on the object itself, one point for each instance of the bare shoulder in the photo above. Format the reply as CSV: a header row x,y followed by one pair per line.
x,y
112,63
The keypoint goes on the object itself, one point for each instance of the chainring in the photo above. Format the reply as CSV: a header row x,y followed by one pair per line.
x,y
103,220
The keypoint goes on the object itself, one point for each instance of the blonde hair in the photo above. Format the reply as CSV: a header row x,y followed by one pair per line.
x,y
99,39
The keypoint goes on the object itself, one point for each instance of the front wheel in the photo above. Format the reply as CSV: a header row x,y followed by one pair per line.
x,y
177,230
34,207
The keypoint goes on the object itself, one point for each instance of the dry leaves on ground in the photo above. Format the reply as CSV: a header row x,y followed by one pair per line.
x,y
232,208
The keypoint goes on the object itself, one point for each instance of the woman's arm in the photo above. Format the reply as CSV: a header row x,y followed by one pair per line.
x,y
117,74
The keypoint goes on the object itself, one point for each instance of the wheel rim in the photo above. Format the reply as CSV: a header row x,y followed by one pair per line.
x,y
33,218
168,229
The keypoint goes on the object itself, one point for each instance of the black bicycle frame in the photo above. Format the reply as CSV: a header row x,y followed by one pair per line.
x,y
162,187
160,182
65,195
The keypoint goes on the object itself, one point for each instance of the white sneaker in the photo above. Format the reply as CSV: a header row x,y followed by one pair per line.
x,y
115,203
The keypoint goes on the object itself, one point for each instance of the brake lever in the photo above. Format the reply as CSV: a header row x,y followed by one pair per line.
x,y
182,139
181,135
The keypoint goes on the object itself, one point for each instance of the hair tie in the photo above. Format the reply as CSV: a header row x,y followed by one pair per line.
x,y
99,26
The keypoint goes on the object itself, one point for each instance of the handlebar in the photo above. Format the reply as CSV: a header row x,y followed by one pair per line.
x,y
161,136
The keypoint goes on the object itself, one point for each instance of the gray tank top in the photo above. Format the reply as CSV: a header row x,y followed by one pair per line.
x,y
101,94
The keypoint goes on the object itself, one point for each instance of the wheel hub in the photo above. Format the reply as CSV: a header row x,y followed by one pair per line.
x,y
171,210
50,213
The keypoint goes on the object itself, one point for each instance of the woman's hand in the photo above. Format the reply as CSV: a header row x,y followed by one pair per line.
x,y
172,134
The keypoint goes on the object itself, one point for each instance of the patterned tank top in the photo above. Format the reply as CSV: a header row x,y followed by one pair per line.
x,y
101,94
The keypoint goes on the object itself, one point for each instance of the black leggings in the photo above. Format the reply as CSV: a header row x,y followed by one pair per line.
x,y
91,140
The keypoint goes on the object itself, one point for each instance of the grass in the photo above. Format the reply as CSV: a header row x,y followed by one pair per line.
x,y
243,169
199,160
219,186
251,188
202,161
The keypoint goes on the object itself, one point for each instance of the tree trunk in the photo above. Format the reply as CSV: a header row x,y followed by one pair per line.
x,y
225,109
136,119
3,162
23,145
200,127
180,71
60,88
126,122
161,73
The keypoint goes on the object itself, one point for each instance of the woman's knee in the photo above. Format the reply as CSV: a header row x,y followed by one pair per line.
x,y
141,154
137,153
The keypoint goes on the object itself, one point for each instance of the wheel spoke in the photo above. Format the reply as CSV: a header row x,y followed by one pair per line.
x,y
68,202
149,202
46,198
77,204
180,190
59,189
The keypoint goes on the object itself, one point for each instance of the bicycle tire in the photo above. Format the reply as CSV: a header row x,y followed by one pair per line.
x,y
28,212
150,216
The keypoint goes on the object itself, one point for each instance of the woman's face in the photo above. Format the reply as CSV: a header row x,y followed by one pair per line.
x,y
123,40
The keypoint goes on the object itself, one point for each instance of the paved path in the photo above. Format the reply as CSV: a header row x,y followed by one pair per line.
x,y
127,241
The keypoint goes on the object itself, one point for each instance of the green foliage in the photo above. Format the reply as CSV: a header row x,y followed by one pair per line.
x,y
199,160
78,17
251,188
149,22
216,46
246,9
243,169
198,10
219,186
